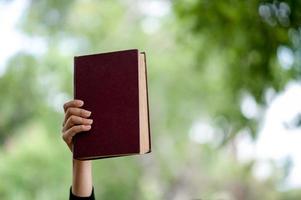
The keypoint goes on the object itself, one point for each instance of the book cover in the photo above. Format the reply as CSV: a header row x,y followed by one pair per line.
x,y
113,86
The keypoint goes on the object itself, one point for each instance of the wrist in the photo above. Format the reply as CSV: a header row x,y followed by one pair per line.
x,y
82,178
82,163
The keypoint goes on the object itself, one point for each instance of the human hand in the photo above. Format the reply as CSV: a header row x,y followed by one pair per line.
x,y
75,120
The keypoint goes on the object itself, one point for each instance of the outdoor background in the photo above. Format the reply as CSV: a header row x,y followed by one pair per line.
x,y
224,88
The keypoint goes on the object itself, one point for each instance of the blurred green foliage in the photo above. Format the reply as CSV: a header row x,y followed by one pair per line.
x,y
242,39
202,57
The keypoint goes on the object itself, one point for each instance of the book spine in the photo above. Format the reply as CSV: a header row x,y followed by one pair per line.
x,y
149,128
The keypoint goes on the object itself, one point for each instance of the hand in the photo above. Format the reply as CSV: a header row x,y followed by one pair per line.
x,y
75,120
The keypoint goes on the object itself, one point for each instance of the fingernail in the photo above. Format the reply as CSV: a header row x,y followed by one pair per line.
x,y
90,121
80,102
88,113
88,126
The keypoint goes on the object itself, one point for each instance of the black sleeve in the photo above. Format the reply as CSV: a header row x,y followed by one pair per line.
x,y
73,197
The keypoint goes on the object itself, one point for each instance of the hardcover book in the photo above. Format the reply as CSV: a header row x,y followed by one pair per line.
x,y
113,86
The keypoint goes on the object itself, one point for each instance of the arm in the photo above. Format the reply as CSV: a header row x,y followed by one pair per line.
x,y
82,178
76,121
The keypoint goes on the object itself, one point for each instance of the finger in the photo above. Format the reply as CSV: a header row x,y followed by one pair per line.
x,y
73,103
76,111
75,120
68,135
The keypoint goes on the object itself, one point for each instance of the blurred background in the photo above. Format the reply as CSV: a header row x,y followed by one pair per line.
x,y
224,88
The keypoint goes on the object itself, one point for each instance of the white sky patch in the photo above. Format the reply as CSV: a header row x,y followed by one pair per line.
x,y
57,100
153,11
249,107
245,146
269,95
285,57
150,25
262,170
276,141
54,97
202,133
12,40
154,8
68,45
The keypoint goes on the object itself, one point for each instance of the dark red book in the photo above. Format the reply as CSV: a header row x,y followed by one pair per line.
x,y
114,88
